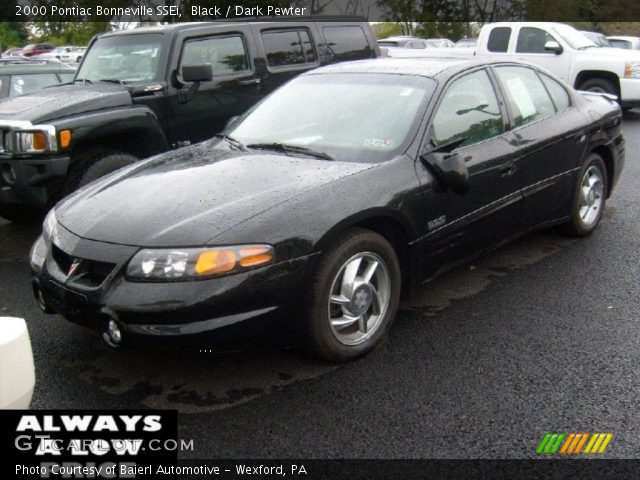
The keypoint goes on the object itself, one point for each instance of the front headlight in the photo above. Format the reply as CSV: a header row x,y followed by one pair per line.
x,y
38,255
632,70
30,142
197,263
49,224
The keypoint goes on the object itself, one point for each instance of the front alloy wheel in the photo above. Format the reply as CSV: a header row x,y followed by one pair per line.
x,y
354,296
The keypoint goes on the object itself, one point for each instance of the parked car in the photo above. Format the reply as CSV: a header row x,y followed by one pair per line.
x,y
67,54
12,52
441,42
19,76
37,48
403,42
598,38
144,91
324,209
628,43
17,371
466,43
562,50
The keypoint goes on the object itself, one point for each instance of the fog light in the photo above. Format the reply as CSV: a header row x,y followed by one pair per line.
x,y
114,332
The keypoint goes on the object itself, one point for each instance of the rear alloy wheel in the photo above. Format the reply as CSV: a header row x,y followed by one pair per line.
x,y
589,198
355,296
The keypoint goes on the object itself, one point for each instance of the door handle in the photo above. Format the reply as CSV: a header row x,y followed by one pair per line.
x,y
508,169
251,81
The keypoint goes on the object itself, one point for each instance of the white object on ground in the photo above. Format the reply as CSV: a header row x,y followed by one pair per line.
x,y
17,371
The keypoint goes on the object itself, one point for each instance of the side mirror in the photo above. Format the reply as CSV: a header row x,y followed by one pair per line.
x,y
554,47
197,73
231,121
450,169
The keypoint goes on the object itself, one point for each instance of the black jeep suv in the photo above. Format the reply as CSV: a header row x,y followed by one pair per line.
x,y
141,92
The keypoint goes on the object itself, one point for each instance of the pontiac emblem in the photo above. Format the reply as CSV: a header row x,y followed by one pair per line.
x,y
74,266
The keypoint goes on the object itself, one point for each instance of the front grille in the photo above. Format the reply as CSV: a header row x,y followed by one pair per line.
x,y
90,273
2,137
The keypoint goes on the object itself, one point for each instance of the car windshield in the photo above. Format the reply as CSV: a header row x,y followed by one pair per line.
x,y
127,58
573,37
352,117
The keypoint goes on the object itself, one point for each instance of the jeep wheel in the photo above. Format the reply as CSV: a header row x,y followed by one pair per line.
x,y
92,165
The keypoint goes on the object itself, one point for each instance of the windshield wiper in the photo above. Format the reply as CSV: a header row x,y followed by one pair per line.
x,y
111,80
284,148
236,143
83,80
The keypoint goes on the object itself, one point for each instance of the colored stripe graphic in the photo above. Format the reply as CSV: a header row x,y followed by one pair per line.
x,y
573,443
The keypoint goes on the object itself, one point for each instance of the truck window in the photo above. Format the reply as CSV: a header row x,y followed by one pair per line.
x,y
619,43
499,39
526,95
288,47
469,110
558,93
346,43
533,40
226,55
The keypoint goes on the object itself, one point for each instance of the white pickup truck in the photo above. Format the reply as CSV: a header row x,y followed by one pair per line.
x,y
559,48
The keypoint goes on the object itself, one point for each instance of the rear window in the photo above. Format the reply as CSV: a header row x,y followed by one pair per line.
x,y
620,44
499,39
346,43
288,47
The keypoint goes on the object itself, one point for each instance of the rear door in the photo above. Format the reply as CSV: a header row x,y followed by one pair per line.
x,y
235,87
287,49
461,225
547,134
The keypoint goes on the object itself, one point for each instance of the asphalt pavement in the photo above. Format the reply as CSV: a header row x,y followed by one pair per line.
x,y
542,335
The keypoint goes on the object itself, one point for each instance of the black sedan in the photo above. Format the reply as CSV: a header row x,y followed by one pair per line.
x,y
344,187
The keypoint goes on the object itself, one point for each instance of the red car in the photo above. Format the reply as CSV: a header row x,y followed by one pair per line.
x,y
37,49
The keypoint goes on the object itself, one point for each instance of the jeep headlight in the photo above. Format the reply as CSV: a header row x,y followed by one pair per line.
x,y
30,142
632,70
175,264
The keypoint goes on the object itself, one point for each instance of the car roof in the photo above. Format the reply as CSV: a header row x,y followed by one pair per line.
x,y
185,26
422,66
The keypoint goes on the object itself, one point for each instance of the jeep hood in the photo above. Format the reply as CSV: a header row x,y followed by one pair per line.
x,y
61,101
190,196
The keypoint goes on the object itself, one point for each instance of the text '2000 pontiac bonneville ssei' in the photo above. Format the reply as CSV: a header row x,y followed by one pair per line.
x,y
326,198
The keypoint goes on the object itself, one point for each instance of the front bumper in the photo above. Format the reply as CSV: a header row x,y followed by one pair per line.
x,y
158,309
35,182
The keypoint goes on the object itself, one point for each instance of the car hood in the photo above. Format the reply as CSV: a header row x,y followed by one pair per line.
x,y
188,197
609,53
60,101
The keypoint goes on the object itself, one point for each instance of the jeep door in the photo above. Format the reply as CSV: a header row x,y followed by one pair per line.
x,y
236,84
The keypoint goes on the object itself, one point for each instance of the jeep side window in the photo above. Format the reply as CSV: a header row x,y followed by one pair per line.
x,y
288,47
346,43
499,39
226,55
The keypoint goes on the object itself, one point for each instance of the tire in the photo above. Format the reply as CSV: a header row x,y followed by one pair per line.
x,y
353,339
584,219
20,214
599,85
93,164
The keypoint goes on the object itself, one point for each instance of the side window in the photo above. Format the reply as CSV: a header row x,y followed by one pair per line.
x,y
533,40
469,110
22,84
558,93
346,43
226,54
417,44
526,95
499,39
288,47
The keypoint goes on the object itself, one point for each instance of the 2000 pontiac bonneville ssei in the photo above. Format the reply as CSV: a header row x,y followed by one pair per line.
x,y
325,198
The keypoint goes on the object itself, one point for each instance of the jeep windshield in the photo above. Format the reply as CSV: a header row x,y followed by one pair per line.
x,y
122,58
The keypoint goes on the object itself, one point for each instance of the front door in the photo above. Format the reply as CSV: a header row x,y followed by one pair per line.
x,y
462,225
236,85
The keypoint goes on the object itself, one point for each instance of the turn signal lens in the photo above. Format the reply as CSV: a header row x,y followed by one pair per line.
x,y
65,138
255,255
215,261
39,141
